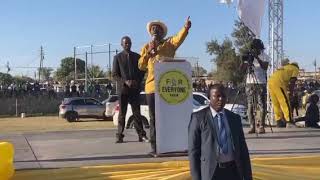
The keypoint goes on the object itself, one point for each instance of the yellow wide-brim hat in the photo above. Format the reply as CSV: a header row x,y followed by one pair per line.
x,y
157,22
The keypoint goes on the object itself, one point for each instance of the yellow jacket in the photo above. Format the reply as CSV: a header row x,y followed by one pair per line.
x,y
167,48
305,99
283,75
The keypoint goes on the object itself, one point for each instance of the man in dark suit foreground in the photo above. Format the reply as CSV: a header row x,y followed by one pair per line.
x,y
217,147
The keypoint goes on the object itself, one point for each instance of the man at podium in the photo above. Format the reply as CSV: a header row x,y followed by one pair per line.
x,y
159,47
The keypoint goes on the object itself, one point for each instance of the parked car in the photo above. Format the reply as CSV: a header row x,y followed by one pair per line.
x,y
144,108
239,109
110,104
203,100
199,102
85,107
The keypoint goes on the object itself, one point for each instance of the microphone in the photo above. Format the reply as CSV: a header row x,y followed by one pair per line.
x,y
153,51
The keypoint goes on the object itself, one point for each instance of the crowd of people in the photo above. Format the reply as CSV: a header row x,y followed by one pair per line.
x,y
55,90
26,89
216,143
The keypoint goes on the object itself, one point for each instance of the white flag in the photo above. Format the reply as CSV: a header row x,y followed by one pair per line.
x,y
251,14
226,1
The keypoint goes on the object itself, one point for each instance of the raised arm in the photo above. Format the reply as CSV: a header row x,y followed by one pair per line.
x,y
178,39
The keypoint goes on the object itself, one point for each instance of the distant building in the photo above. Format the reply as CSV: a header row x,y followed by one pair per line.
x,y
308,75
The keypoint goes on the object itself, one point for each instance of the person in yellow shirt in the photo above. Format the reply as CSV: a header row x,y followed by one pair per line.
x,y
278,83
305,99
157,49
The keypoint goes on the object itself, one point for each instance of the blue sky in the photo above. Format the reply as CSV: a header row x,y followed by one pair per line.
x,y
59,25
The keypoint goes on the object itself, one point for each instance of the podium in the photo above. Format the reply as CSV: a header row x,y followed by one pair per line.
x,y
173,105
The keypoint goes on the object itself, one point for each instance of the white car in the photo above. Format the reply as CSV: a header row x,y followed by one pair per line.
x,y
111,104
239,109
200,101
144,110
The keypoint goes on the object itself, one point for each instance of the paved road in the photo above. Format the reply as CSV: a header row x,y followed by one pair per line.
x,y
95,147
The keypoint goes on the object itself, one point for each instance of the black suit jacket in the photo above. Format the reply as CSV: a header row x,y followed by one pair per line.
x,y
202,145
126,68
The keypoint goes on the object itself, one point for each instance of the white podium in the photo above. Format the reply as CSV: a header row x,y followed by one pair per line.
x,y
173,105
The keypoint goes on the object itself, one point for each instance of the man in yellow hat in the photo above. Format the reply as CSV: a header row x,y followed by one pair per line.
x,y
158,48
279,82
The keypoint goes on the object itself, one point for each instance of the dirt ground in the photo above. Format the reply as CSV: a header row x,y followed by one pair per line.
x,y
50,123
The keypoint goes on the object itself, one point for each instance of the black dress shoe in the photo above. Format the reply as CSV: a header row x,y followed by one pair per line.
x,y
144,139
261,130
119,140
281,124
252,130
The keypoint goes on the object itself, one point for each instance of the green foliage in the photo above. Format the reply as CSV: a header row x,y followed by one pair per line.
x,y
95,72
226,60
22,79
65,73
242,36
45,73
5,79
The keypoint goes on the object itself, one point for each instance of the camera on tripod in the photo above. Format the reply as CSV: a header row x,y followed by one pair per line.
x,y
255,49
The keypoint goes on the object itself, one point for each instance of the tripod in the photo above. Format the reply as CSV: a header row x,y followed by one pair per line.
x,y
256,95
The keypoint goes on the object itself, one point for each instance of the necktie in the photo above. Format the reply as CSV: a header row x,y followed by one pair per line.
x,y
129,67
222,137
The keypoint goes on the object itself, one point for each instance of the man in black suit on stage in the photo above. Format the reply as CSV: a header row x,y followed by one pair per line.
x,y
128,76
217,148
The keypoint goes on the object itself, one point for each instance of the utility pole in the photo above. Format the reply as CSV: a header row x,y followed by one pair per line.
x,y
109,51
85,74
315,68
41,62
91,53
197,66
8,67
75,64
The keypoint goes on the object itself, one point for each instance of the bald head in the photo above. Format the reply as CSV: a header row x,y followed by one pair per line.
x,y
126,43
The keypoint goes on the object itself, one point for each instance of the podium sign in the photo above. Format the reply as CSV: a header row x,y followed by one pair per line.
x,y
173,105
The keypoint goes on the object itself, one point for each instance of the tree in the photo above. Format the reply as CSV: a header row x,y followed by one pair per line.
x,y
242,36
5,79
65,73
45,73
226,60
96,72
22,79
